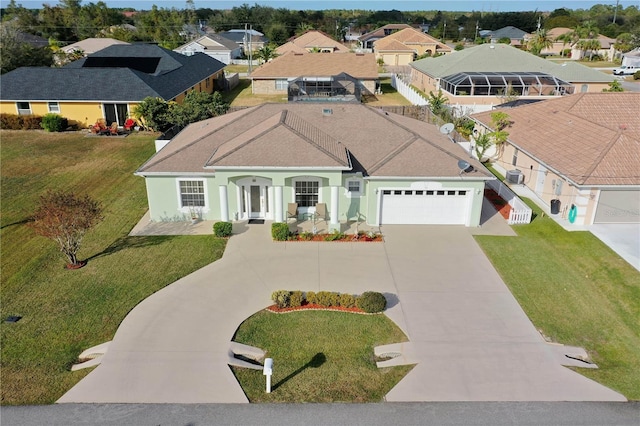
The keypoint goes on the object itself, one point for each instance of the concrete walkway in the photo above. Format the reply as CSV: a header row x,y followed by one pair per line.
x,y
468,336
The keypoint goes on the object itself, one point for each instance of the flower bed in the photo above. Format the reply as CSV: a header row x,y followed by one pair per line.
x,y
314,307
498,203
360,237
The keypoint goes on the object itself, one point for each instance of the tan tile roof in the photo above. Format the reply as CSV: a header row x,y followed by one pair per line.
x,y
591,138
309,40
302,136
558,31
386,44
379,32
291,65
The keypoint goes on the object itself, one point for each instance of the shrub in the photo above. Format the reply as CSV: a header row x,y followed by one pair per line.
x,y
335,236
296,298
31,122
282,298
636,75
20,122
347,300
54,123
371,302
306,236
311,297
279,231
323,298
222,229
459,47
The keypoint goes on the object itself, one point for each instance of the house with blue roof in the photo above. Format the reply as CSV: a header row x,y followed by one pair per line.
x,y
108,84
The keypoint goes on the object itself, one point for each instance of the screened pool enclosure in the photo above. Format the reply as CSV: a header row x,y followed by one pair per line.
x,y
337,88
505,84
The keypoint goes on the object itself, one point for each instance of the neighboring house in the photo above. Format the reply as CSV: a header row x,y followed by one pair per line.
x,y
606,48
275,76
312,41
477,78
33,40
557,46
91,45
406,45
367,40
582,150
213,45
516,35
249,40
108,84
631,58
250,164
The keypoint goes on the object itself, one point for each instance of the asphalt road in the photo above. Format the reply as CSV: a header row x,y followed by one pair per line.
x,y
442,414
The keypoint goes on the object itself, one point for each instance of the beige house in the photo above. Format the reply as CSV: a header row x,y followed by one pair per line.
x,y
404,46
606,48
582,152
480,77
91,45
274,76
311,42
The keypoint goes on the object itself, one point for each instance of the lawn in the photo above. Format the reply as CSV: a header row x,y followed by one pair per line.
x,y
64,312
241,96
578,292
320,356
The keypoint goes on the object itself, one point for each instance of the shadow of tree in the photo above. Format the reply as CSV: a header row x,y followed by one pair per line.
x,y
315,362
19,222
131,243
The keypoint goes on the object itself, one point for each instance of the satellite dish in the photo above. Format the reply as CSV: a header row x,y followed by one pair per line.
x,y
464,166
447,128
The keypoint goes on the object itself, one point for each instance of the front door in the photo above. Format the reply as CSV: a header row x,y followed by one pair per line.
x,y
254,198
256,205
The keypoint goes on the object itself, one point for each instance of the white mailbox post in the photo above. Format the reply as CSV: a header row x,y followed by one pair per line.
x,y
267,371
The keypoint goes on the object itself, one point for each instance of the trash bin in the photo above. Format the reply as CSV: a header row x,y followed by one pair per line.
x,y
555,206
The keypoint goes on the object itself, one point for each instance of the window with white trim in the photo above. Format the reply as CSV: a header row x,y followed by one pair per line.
x,y
24,108
191,193
307,193
353,186
53,107
282,84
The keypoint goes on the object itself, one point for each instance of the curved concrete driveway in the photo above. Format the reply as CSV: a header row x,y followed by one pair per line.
x,y
469,337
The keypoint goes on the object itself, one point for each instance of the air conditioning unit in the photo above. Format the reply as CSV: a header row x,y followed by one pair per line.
x,y
515,176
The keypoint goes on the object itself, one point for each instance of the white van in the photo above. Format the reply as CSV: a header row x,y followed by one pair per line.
x,y
626,70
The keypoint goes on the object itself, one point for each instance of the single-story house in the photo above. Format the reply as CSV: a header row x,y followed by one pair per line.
x,y
581,150
606,45
250,164
248,40
214,45
367,40
516,35
480,77
274,76
404,46
91,45
108,84
631,58
312,41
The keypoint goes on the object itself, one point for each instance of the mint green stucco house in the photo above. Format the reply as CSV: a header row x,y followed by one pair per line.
x,y
363,163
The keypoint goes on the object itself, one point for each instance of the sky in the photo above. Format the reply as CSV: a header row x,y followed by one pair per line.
x,y
450,5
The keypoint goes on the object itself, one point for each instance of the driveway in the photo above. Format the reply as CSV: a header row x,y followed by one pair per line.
x,y
623,238
468,336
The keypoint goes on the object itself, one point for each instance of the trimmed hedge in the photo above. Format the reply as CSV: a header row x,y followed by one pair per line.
x,y
222,229
369,302
54,123
280,231
20,122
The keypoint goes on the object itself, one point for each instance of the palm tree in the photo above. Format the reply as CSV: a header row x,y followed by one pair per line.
x,y
266,53
590,44
566,38
539,42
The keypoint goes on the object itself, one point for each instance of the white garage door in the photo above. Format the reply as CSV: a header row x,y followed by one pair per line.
x,y
422,207
618,207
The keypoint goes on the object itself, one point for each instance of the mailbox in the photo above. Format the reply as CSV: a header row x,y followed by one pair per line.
x,y
268,367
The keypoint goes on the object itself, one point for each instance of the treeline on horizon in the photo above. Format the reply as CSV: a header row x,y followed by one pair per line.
x,y
71,21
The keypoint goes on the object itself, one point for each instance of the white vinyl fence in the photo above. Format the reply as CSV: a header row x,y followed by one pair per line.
x,y
407,91
520,212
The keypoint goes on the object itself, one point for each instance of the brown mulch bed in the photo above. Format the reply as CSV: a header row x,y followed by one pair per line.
x,y
498,202
347,238
313,307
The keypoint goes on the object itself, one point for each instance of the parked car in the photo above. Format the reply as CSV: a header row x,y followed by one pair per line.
x,y
626,70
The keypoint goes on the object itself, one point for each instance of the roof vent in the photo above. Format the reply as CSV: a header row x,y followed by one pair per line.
x,y
327,111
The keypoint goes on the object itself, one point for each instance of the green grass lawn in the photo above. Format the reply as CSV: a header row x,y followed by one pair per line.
x,y
65,312
320,356
578,292
241,96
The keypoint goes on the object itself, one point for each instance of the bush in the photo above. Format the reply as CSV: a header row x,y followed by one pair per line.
x,y
279,231
296,298
222,229
282,298
54,123
636,75
306,236
335,236
371,302
20,122
324,298
347,300
311,297
459,47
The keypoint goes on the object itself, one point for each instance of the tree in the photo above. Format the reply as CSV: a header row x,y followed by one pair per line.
x,y
437,103
198,106
499,121
65,217
15,54
539,42
266,53
154,114
614,86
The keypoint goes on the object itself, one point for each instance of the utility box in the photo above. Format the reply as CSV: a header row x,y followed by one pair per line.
x,y
515,176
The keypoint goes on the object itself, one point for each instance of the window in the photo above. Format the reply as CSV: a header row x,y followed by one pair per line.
x,y
54,107
191,193
514,160
24,108
451,192
207,82
439,192
306,193
282,84
462,192
354,187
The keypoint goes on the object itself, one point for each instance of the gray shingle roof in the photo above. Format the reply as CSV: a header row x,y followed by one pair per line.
x,y
508,32
504,58
173,74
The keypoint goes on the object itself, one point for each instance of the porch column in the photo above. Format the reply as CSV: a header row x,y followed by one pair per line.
x,y
224,204
278,204
333,215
